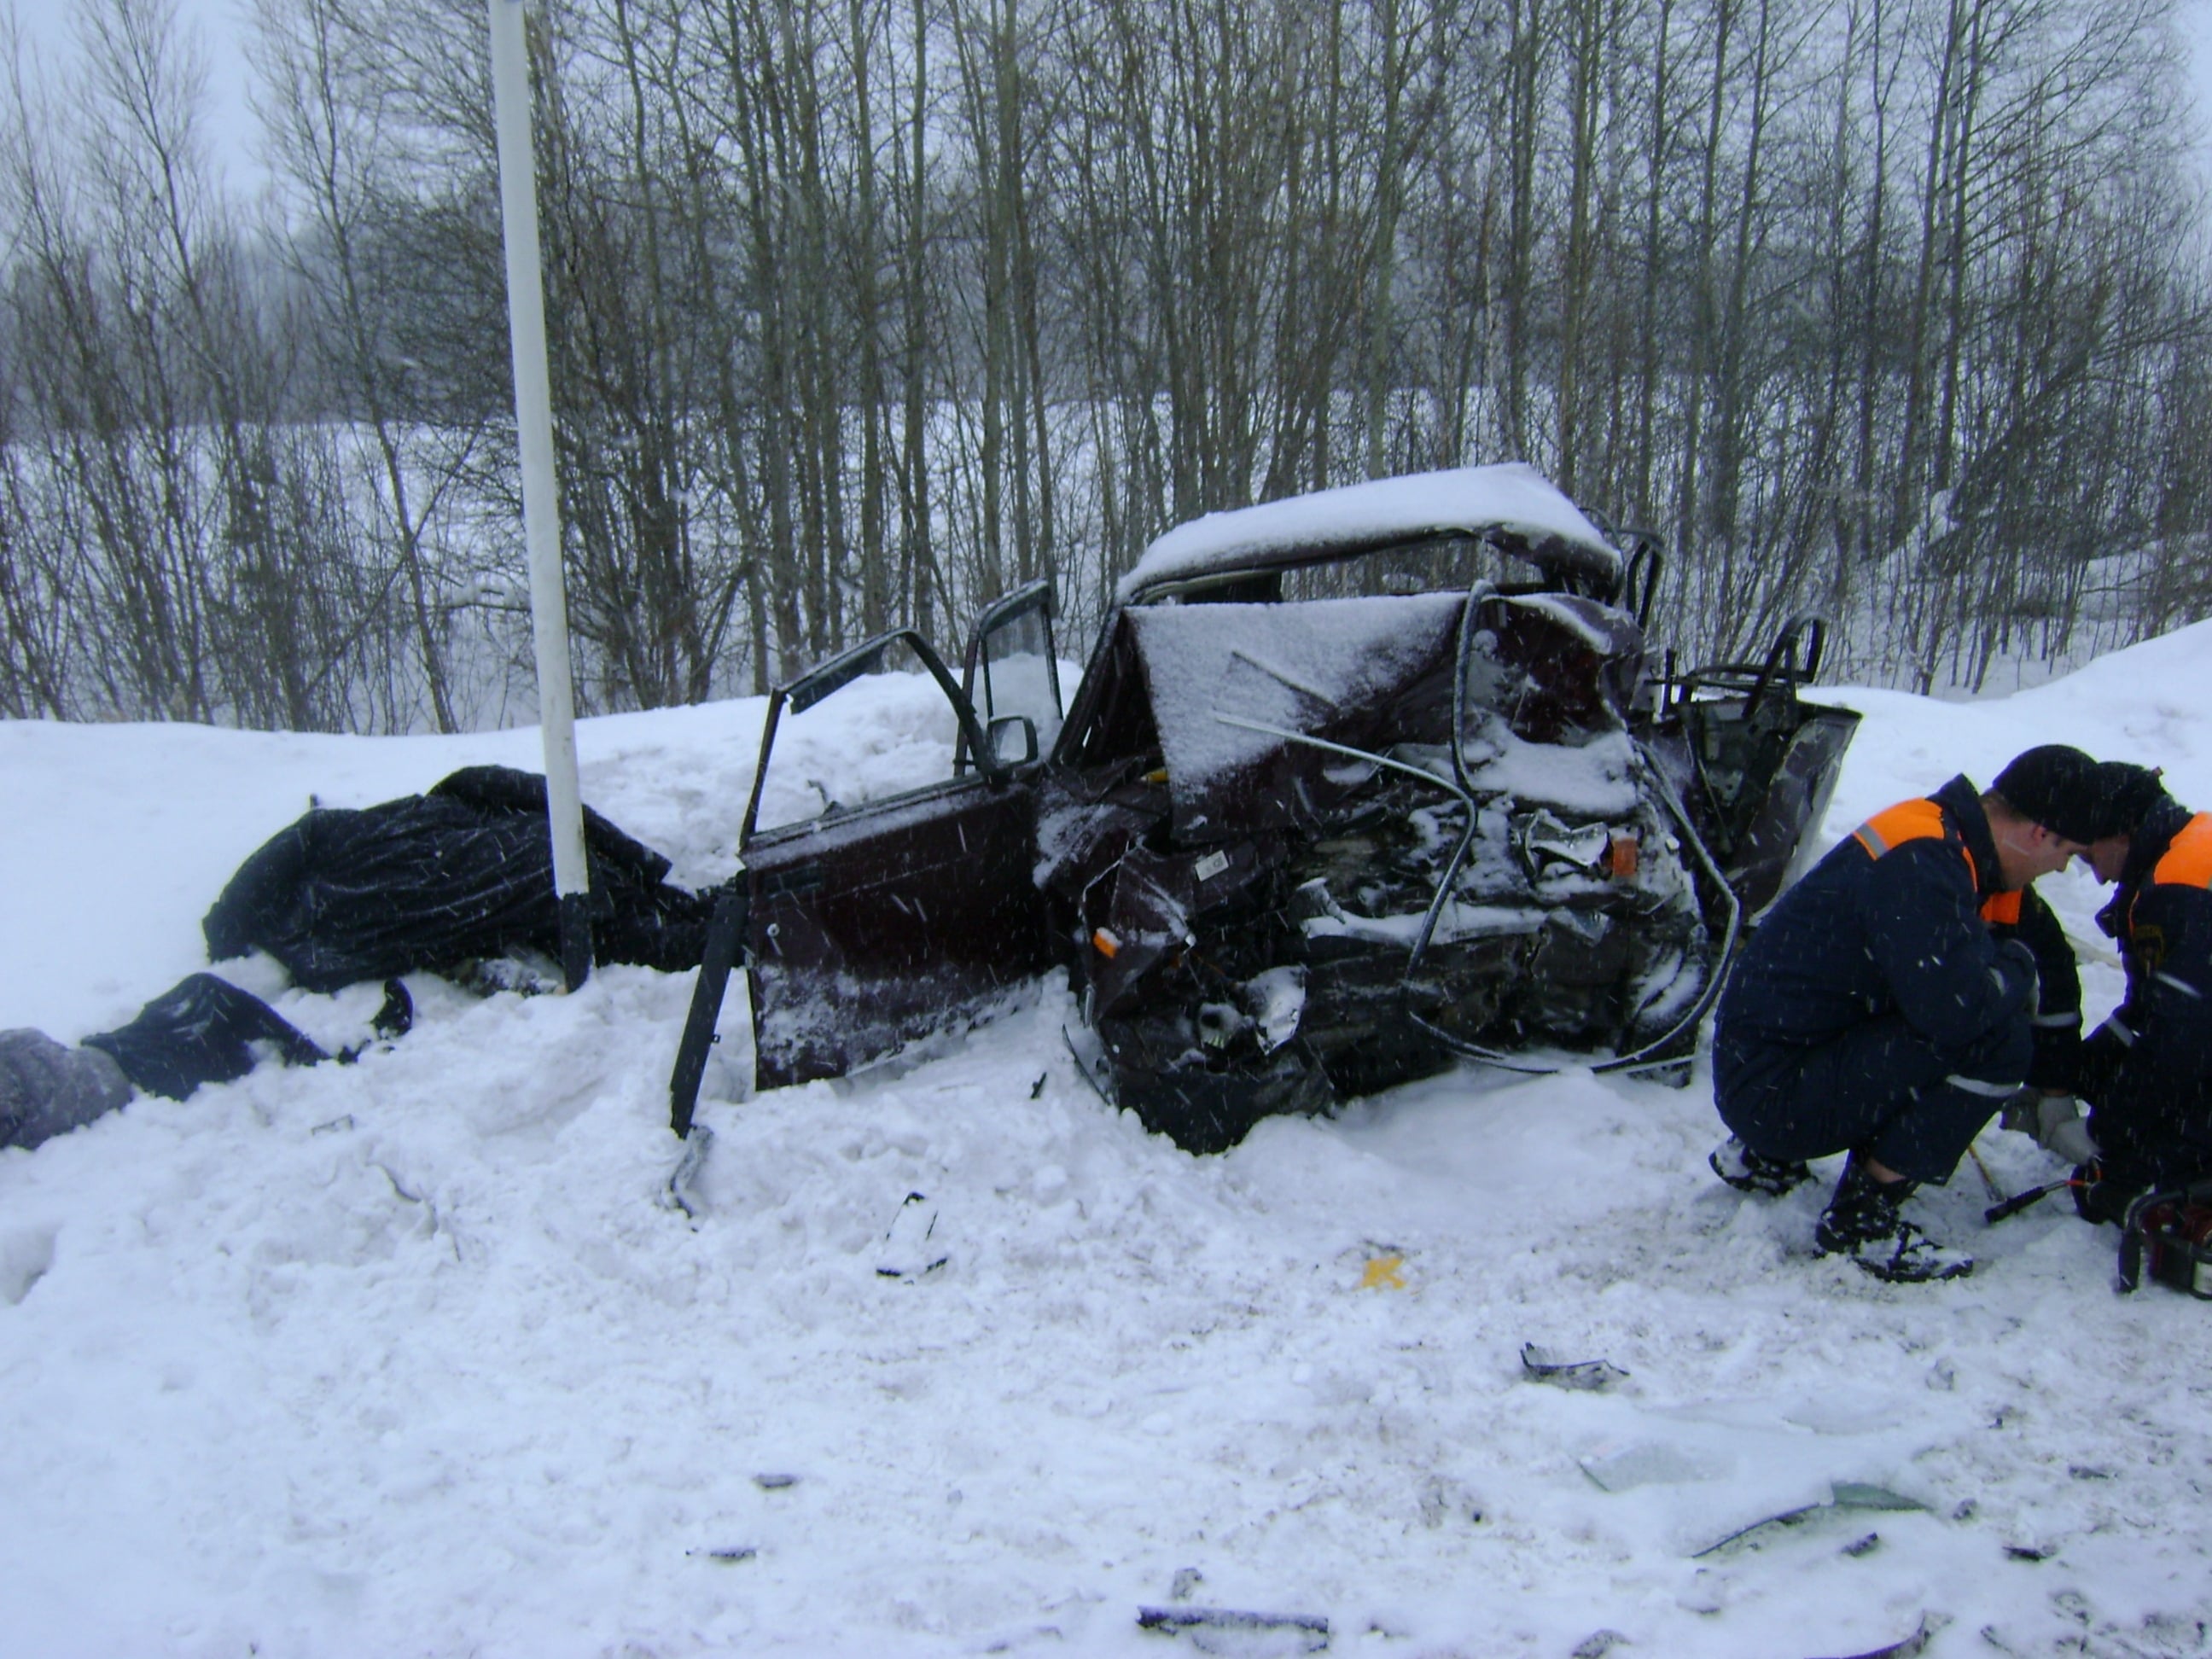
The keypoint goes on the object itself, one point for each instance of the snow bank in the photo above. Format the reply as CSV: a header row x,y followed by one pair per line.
x,y
405,1357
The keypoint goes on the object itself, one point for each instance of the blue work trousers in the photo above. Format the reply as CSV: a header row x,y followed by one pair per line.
x,y
1881,1089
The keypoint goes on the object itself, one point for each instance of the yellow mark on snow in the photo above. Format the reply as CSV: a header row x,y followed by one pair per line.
x,y
1383,1274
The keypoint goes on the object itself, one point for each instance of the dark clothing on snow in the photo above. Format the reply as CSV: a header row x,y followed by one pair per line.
x,y
431,881
202,1030
1875,1009
2147,1071
427,882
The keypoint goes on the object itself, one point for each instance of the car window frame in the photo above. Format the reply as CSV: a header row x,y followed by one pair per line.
x,y
833,675
1040,596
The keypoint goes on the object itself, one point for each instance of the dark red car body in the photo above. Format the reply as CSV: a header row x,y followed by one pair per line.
x,y
1355,786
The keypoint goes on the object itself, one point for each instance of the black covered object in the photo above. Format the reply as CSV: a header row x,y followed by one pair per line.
x,y
431,881
202,1030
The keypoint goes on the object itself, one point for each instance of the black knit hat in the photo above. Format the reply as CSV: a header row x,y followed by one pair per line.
x,y
2056,787
2125,795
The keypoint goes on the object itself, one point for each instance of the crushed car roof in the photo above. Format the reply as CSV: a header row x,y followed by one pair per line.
x,y
1512,499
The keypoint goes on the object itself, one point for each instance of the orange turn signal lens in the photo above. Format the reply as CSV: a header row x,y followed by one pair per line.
x,y
1621,853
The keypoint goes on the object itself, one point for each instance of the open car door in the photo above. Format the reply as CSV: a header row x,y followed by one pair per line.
x,y
1012,679
877,918
1753,761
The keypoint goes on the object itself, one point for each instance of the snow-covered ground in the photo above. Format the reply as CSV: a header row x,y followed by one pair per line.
x,y
405,1358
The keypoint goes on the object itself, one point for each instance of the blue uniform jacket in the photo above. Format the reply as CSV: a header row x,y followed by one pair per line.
x,y
2147,1070
2058,993
1861,937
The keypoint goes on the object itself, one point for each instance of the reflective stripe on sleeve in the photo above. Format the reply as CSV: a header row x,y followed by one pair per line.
x,y
2057,1022
2180,985
1975,1085
1911,820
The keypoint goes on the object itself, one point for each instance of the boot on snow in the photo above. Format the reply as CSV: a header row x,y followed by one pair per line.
x,y
1749,1172
1862,1222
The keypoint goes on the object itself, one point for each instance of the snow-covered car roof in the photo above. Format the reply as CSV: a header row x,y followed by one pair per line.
x,y
1511,499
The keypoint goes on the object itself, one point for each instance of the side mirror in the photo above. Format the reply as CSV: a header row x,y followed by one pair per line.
x,y
1014,740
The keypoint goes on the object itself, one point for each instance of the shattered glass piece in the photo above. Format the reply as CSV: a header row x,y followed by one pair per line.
x,y
911,1248
1646,1463
1862,1495
1546,1365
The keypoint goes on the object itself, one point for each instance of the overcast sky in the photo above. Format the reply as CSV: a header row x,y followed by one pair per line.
x,y
222,23
49,26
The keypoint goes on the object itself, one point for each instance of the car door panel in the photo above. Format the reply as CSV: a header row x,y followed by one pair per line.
x,y
894,922
875,924
1753,761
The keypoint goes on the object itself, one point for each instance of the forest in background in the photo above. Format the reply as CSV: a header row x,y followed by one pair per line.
x,y
863,310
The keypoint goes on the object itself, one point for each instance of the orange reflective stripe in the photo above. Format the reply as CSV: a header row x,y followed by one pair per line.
x,y
2188,860
1910,820
2001,908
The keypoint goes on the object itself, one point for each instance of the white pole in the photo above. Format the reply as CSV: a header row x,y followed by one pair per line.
x,y
541,504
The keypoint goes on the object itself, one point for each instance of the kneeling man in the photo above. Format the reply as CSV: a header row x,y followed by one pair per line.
x,y
2147,1072
1876,1013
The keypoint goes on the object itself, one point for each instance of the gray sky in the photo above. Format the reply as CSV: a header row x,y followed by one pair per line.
x,y
223,26
49,26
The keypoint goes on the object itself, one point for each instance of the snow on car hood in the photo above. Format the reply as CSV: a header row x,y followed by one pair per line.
x,y
1511,497
1292,667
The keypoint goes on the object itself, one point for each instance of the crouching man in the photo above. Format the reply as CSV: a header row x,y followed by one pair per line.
x,y
2147,1072
1875,1011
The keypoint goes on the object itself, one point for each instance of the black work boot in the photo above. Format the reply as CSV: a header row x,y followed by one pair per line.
x,y
1861,1222
1751,1172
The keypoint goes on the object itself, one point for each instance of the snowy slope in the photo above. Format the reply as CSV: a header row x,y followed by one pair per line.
x,y
405,1358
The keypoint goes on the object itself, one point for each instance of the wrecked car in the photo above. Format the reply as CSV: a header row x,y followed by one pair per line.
x,y
1354,785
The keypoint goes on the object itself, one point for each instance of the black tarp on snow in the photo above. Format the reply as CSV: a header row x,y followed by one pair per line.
x,y
432,881
201,1030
